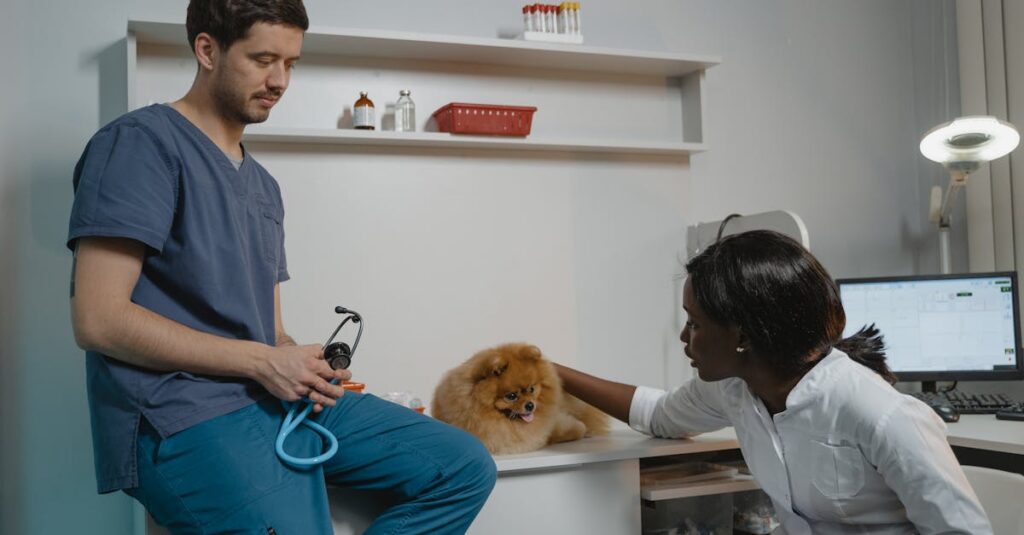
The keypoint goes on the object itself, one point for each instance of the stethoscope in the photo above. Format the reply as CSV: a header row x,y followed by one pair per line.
x,y
338,355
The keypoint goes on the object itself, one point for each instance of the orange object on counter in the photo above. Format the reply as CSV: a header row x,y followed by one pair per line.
x,y
352,386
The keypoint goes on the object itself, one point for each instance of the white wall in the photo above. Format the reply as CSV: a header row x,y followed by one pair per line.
x,y
10,473
816,108
822,117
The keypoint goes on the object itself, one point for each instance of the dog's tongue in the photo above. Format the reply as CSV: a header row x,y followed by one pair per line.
x,y
527,417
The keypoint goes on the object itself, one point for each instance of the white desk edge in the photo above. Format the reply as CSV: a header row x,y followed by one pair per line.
x,y
985,432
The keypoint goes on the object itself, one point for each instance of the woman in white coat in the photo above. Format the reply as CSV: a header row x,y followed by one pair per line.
x,y
835,446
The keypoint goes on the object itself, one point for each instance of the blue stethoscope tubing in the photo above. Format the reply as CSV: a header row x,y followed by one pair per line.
x,y
293,419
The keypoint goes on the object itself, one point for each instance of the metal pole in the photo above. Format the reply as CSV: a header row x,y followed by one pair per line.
x,y
957,180
944,260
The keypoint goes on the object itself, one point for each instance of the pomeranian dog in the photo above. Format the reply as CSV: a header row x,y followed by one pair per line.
x,y
511,398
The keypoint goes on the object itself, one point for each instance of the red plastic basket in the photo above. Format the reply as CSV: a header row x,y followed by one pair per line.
x,y
487,119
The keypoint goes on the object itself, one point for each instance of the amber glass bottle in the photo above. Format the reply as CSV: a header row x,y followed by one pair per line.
x,y
362,113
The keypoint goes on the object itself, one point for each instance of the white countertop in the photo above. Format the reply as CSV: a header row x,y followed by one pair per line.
x,y
985,432
980,431
616,446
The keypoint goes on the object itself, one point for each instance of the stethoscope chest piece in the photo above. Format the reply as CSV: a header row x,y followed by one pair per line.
x,y
338,355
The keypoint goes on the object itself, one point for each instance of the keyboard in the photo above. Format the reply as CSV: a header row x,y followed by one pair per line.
x,y
967,403
1013,412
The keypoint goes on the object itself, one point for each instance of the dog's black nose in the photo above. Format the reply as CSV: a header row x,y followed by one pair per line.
x,y
529,406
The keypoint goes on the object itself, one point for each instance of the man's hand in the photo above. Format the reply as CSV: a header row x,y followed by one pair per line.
x,y
292,373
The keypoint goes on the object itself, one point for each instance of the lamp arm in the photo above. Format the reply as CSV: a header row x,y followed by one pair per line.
x,y
957,180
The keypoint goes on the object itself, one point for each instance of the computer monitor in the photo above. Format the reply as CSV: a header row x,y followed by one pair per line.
x,y
941,327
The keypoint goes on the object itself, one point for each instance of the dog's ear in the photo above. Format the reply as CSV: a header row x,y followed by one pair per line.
x,y
530,352
497,364
492,365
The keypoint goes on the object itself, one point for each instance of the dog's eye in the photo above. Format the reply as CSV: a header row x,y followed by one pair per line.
x,y
511,396
530,390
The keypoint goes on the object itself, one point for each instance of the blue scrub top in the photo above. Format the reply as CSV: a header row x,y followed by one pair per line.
x,y
215,250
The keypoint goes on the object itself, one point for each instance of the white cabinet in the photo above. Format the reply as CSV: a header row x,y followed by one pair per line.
x,y
590,99
588,486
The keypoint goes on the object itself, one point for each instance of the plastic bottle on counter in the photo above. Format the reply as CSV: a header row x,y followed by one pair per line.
x,y
405,112
363,113
405,399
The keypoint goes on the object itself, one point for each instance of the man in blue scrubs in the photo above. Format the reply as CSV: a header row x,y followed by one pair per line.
x,y
179,253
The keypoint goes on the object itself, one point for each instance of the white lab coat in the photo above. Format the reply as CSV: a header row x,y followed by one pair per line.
x,y
850,454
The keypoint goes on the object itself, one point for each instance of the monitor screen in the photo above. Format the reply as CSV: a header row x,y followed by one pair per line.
x,y
941,327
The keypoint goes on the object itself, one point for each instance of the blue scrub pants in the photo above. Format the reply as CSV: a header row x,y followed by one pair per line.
x,y
223,476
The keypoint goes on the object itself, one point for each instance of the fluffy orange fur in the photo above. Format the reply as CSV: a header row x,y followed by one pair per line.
x,y
511,398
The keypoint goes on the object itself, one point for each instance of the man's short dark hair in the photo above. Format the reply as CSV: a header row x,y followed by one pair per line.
x,y
229,20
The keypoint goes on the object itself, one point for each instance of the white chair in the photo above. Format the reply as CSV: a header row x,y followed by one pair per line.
x,y
1000,495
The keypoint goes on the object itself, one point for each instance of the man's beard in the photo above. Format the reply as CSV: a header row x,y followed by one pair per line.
x,y
236,106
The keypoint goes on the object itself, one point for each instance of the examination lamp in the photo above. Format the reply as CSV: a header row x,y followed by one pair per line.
x,y
961,146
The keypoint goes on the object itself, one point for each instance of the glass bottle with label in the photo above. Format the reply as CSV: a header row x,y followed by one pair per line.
x,y
405,113
362,113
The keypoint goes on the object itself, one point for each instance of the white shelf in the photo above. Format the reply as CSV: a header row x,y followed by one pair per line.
x,y
404,46
737,483
459,142
463,49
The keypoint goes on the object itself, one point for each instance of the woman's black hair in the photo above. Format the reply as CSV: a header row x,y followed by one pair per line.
x,y
782,299
229,20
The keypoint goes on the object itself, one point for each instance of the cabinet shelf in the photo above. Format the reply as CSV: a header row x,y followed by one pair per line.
x,y
463,49
686,69
737,483
319,136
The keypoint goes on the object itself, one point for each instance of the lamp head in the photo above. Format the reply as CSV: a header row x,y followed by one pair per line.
x,y
966,142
